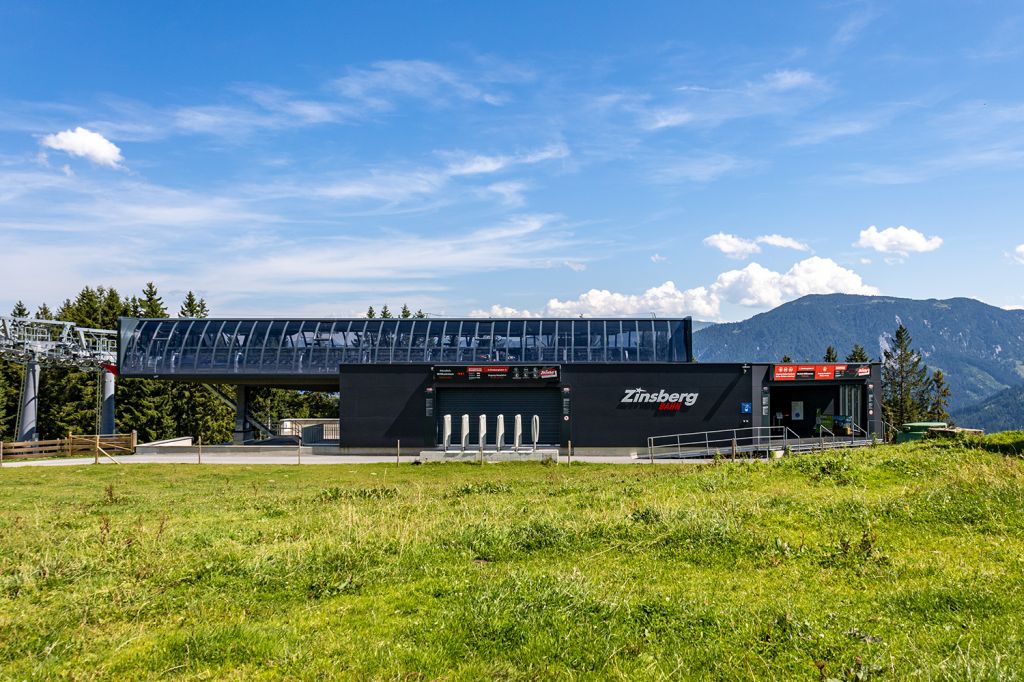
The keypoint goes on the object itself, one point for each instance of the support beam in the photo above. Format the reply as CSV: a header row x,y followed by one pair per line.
x,y
30,403
107,425
243,429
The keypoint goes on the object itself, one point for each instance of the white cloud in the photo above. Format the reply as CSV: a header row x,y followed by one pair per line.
x,y
410,78
900,240
479,163
658,258
86,144
666,299
1018,253
731,245
740,247
789,79
753,286
701,168
511,193
778,92
575,265
781,242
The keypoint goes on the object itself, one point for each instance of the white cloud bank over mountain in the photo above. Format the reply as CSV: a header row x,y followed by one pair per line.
x,y
753,286
84,143
901,240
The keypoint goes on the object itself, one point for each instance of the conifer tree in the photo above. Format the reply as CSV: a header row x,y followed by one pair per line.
x,y
831,355
405,314
385,312
786,358
19,310
420,315
194,409
906,385
939,404
144,405
193,307
43,313
858,354
370,313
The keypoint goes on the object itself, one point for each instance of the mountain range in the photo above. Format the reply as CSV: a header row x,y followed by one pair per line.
x,y
979,347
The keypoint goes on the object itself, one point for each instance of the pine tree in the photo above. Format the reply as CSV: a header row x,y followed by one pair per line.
x,y
144,405
831,355
420,315
939,404
43,313
19,310
858,354
405,314
906,385
385,312
193,307
370,313
151,305
194,409
786,358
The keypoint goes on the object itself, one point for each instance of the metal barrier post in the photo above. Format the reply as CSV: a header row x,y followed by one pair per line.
x,y
707,446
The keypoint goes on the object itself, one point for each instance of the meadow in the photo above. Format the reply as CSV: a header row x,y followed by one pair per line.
x,y
892,562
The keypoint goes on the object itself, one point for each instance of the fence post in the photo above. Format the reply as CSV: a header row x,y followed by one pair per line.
x,y
298,451
398,451
707,445
96,445
1,453
199,453
135,440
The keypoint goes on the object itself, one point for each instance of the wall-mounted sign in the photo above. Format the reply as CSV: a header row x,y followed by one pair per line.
x,y
824,372
496,373
659,399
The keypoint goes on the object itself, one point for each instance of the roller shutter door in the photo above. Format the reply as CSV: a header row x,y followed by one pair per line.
x,y
546,403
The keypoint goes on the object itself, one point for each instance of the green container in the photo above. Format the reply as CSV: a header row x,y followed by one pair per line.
x,y
917,430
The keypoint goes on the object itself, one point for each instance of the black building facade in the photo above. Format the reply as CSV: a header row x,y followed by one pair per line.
x,y
607,385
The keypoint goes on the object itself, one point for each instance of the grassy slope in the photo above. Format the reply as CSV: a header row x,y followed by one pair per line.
x,y
897,561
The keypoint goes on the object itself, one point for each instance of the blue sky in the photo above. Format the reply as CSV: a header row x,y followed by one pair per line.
x,y
712,159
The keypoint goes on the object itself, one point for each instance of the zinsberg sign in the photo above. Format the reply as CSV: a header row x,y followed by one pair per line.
x,y
662,398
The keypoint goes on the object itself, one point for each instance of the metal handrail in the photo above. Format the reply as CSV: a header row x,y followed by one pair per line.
x,y
702,442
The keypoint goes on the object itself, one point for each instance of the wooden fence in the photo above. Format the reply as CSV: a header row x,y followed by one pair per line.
x,y
72,446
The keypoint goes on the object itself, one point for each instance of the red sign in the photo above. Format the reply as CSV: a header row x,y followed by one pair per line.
x,y
784,373
825,372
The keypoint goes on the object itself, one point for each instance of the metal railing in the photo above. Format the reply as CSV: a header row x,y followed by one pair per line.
x,y
707,444
751,441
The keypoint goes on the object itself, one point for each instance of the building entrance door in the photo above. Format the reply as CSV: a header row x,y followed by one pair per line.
x,y
850,403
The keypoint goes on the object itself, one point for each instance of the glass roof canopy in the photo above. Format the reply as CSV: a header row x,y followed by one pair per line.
x,y
261,347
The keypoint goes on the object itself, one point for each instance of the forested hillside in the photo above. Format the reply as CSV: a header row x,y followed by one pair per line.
x,y
69,400
979,347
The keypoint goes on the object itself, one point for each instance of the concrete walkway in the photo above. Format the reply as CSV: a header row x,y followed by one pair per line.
x,y
249,459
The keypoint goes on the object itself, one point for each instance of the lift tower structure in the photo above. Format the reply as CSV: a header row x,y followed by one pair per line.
x,y
53,343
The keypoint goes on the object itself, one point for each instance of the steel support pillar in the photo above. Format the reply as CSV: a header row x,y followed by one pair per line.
x,y
243,429
30,403
107,426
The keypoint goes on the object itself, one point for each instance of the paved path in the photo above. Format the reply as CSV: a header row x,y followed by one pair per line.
x,y
286,459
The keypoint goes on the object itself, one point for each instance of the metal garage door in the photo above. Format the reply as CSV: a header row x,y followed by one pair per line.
x,y
546,403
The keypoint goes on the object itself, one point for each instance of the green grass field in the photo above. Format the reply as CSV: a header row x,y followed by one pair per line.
x,y
898,562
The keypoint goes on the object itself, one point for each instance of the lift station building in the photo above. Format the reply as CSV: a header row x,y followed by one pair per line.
x,y
607,385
